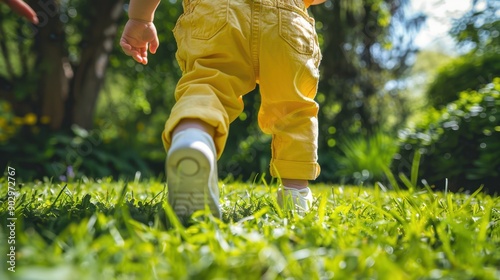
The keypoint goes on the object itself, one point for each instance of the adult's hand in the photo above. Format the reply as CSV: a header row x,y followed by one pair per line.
x,y
22,9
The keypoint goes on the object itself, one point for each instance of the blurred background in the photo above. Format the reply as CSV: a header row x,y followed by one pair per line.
x,y
403,83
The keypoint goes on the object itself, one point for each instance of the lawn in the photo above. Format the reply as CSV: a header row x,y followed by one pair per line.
x,y
104,229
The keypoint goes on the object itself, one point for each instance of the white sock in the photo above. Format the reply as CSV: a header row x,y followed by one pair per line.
x,y
302,192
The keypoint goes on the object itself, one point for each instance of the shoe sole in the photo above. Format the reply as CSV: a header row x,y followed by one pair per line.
x,y
188,176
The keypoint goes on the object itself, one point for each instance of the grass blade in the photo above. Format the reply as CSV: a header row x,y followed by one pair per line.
x,y
57,198
414,168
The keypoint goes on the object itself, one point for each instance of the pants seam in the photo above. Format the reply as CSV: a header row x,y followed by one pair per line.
x,y
255,41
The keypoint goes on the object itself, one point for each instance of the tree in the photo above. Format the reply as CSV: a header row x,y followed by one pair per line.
x,y
459,144
56,68
365,44
479,31
457,135
467,72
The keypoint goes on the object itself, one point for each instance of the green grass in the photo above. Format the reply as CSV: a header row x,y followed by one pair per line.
x,y
114,230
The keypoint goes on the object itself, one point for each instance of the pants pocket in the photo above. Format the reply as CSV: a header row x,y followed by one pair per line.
x,y
207,18
298,31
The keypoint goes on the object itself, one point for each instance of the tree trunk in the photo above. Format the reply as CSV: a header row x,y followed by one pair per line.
x,y
53,80
96,47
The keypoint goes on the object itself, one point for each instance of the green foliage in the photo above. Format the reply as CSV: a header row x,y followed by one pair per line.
x,y
112,230
365,160
9,123
469,72
251,156
39,153
479,28
460,142
478,31
248,150
134,116
366,44
427,60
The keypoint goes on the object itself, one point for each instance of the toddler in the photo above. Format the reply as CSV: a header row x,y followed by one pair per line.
x,y
225,48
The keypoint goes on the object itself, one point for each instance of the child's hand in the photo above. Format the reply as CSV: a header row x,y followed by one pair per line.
x,y
23,9
139,36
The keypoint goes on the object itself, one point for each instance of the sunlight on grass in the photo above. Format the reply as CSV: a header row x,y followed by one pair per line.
x,y
117,230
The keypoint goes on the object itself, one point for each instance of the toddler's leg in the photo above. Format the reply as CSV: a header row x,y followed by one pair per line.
x,y
213,54
297,193
289,77
295,183
192,169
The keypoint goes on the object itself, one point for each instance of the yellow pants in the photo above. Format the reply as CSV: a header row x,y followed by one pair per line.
x,y
225,48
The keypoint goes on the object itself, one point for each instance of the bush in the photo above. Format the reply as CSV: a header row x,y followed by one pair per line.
x,y
64,156
460,142
470,72
365,160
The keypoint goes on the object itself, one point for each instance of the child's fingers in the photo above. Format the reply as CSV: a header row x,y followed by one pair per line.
x,y
126,47
140,58
130,51
153,45
138,54
144,51
135,55
144,54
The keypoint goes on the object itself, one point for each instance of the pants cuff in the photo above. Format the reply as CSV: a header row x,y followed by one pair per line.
x,y
295,169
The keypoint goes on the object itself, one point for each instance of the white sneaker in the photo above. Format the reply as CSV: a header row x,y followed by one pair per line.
x,y
301,200
191,169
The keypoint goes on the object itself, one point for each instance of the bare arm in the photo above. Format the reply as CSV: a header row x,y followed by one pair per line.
x,y
142,9
139,34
